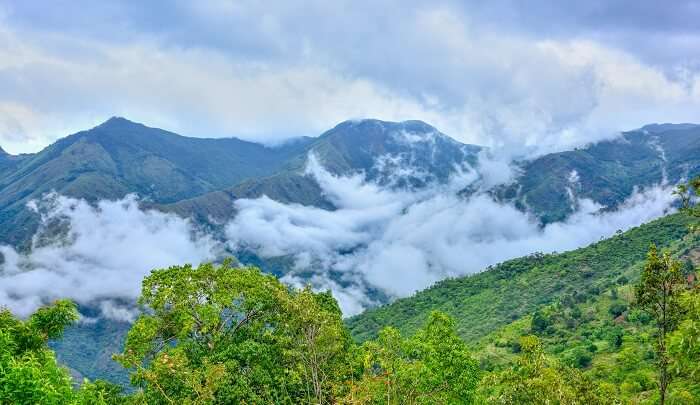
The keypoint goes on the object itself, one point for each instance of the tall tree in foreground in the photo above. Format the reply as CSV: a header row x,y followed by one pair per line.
x,y
657,294
220,335
433,367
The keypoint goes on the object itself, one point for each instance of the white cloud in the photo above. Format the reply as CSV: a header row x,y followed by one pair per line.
x,y
278,78
378,239
404,242
106,254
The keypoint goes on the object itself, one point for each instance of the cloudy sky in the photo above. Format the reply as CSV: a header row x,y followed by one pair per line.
x,y
499,73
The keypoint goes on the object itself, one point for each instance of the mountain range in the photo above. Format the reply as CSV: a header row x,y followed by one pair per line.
x,y
200,178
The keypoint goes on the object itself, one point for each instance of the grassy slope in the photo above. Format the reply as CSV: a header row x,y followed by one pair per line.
x,y
485,302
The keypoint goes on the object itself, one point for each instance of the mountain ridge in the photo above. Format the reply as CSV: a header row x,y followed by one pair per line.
x,y
202,177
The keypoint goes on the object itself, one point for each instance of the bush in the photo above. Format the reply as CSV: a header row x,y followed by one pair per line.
x,y
540,322
579,357
617,309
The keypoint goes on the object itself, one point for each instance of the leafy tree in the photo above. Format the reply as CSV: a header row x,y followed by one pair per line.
x,y
657,295
219,334
29,373
320,342
540,322
684,343
433,367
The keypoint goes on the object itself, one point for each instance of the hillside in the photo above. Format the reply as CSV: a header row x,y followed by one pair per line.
x,y
120,157
487,307
606,172
487,301
409,154
200,178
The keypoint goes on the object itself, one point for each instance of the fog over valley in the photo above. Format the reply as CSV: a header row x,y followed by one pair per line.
x,y
377,243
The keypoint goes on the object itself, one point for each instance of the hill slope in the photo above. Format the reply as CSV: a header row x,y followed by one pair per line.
x,y
606,172
487,301
409,154
121,157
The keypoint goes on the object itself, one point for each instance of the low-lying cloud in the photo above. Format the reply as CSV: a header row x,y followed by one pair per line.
x,y
378,239
401,242
107,251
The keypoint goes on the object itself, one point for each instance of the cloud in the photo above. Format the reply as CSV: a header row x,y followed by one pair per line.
x,y
543,80
379,242
402,242
103,258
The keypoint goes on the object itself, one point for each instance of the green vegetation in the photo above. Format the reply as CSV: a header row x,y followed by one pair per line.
x,y
29,373
483,302
605,325
657,295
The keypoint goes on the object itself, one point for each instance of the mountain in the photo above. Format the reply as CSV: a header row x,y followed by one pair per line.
x,y
120,157
201,178
396,154
606,172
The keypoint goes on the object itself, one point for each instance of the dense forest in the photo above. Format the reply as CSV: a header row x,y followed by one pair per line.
x,y
616,322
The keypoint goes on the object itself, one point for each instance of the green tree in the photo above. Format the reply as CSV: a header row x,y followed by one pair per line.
x,y
320,342
657,295
220,334
684,343
540,322
29,373
433,367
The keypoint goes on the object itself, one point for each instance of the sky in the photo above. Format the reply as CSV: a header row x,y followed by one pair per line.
x,y
500,73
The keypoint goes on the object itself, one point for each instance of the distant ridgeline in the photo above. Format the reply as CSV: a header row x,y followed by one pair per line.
x,y
200,178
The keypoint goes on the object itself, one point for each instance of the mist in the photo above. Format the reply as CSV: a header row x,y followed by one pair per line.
x,y
102,258
391,240
400,242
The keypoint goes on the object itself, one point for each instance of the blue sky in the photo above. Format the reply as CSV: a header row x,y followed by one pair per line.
x,y
499,73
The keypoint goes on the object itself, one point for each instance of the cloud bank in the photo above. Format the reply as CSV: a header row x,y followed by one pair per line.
x,y
384,240
399,242
499,74
102,259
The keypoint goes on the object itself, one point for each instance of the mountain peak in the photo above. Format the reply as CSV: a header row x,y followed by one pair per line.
x,y
410,125
118,123
655,128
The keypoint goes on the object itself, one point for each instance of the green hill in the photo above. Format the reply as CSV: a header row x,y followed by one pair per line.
x,y
484,302
606,172
121,157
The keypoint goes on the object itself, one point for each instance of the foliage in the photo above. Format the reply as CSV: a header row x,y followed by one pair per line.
x,y
534,379
29,373
218,334
657,295
684,343
484,302
432,367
